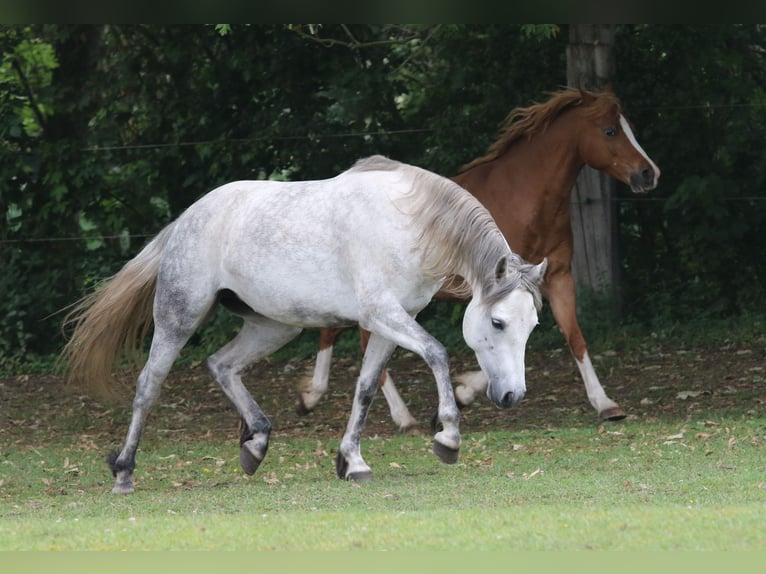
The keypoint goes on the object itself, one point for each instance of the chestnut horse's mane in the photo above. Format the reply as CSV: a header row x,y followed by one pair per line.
x,y
526,122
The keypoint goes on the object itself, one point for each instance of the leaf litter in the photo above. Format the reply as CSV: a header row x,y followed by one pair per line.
x,y
693,385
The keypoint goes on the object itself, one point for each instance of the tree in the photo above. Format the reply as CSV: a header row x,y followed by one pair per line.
x,y
108,132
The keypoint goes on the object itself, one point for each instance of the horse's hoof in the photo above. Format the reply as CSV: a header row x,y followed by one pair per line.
x,y
123,489
446,454
300,408
341,468
612,414
248,461
363,476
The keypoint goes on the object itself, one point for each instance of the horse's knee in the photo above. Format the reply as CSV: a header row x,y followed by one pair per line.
x,y
436,355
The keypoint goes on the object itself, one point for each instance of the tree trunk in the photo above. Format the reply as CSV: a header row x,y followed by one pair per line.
x,y
595,266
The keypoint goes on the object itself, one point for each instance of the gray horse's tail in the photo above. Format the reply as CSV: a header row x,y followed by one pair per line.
x,y
116,317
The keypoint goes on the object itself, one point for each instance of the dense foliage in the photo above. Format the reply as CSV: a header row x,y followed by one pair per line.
x,y
108,132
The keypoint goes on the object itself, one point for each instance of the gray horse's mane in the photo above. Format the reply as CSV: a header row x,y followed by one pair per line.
x,y
459,236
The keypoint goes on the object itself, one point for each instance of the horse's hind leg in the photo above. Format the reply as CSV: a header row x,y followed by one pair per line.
x,y
560,292
164,350
258,338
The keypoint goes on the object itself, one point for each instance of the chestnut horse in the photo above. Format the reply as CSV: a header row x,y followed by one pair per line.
x,y
525,180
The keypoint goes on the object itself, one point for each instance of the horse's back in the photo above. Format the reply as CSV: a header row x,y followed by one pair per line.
x,y
298,251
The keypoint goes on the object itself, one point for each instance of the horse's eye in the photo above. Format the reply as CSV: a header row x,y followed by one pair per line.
x,y
610,132
498,324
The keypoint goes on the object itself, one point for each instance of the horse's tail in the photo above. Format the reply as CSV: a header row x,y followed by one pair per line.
x,y
116,316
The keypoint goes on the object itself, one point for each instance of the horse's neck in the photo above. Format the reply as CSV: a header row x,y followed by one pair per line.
x,y
528,190
542,168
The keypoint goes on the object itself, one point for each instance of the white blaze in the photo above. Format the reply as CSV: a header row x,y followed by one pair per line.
x,y
632,139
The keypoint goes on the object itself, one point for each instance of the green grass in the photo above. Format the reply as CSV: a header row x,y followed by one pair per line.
x,y
632,486
674,479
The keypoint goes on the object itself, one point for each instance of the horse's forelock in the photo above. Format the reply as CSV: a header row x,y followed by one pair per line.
x,y
519,275
603,104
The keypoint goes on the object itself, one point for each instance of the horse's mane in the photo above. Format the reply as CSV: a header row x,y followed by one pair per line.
x,y
526,122
459,236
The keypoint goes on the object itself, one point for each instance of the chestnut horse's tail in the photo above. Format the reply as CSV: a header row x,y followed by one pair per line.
x,y
116,317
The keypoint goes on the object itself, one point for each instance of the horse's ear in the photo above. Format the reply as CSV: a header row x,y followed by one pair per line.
x,y
586,97
501,269
538,271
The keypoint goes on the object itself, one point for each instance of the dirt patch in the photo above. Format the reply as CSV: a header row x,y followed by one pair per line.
x,y
698,384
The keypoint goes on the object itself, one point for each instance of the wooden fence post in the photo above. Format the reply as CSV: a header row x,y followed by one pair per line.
x,y
590,65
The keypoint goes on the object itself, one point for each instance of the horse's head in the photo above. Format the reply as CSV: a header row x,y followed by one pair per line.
x,y
607,143
496,325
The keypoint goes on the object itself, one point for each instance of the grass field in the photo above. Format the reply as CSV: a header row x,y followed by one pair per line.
x,y
699,487
684,471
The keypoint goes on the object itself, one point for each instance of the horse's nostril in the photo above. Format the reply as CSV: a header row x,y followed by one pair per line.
x,y
648,175
508,400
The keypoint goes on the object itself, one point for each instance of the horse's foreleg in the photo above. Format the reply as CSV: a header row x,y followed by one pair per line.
x,y
447,440
312,389
257,339
400,414
349,463
560,291
401,328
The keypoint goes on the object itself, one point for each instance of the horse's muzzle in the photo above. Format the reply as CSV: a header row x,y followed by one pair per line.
x,y
643,181
507,399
